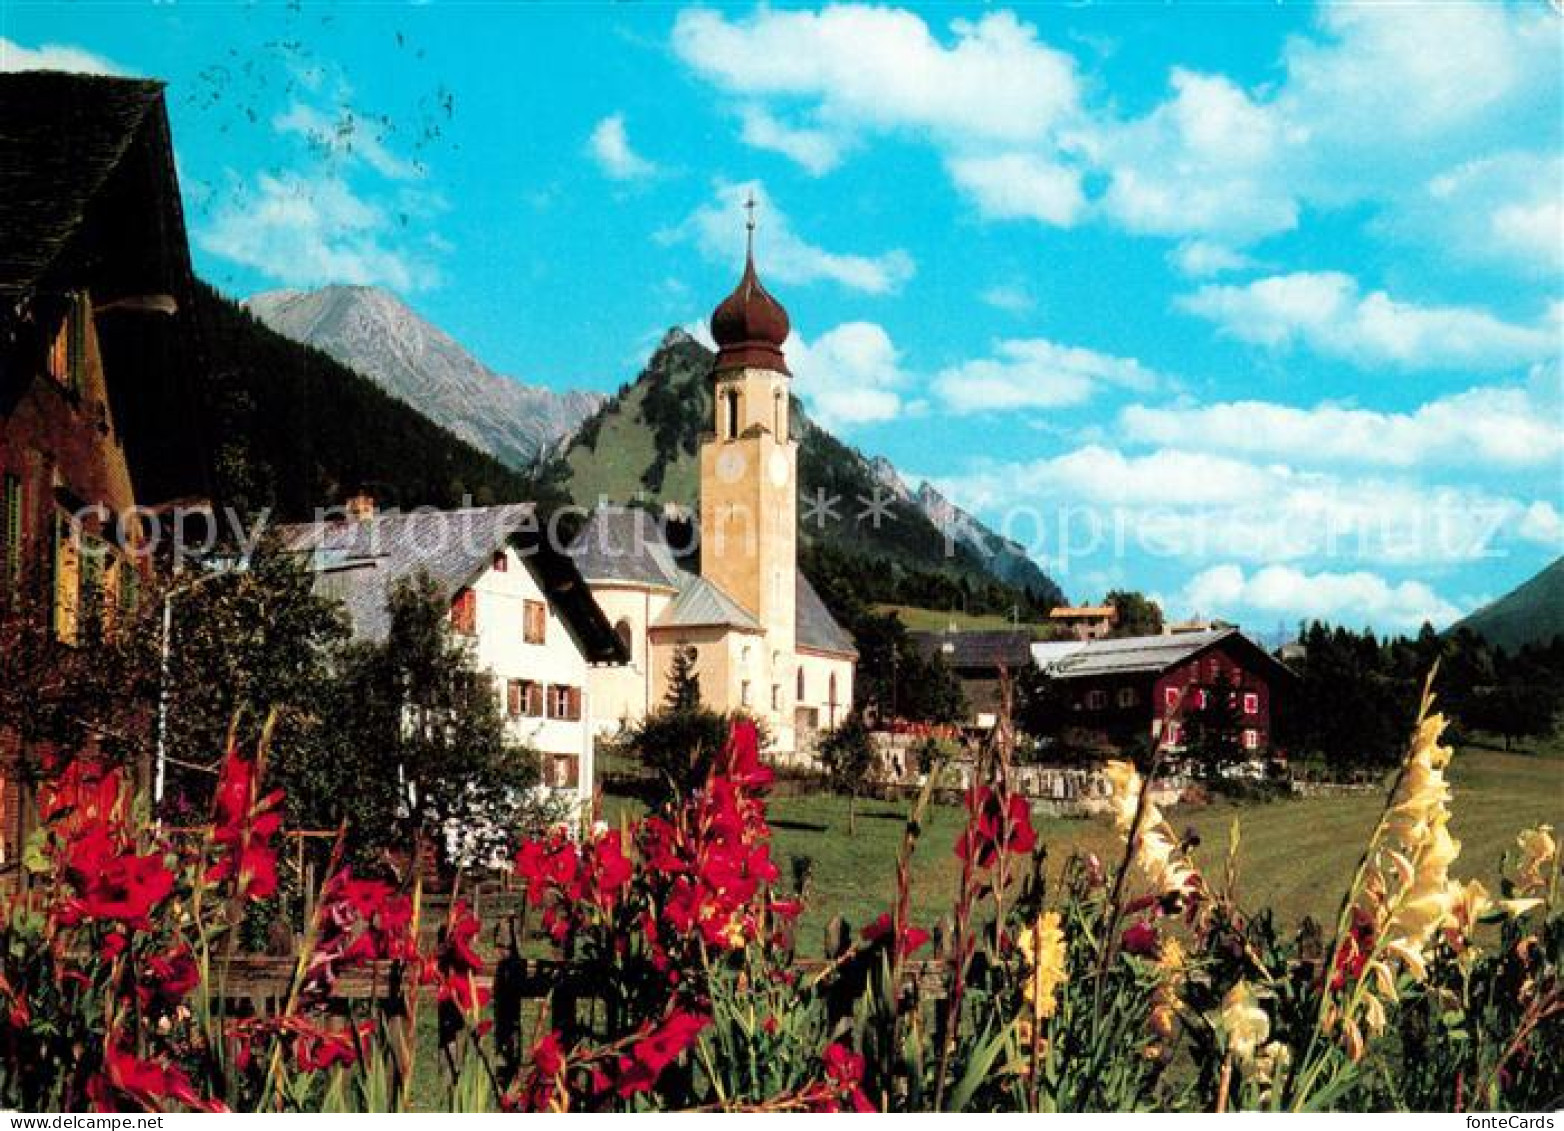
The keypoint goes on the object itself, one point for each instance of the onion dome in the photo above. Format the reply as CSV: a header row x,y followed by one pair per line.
x,y
749,326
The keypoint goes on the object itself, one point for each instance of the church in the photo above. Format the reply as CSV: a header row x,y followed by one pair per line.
x,y
761,639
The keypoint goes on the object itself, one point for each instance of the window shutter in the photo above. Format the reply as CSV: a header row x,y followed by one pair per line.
x,y
575,704
11,532
513,698
76,350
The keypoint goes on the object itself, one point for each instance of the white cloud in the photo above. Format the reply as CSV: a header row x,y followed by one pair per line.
x,y
306,231
1201,258
784,256
1021,186
1357,597
1504,208
346,135
1034,373
54,57
874,68
850,374
610,147
1012,297
1327,311
1503,426
1543,525
817,151
1366,107
1209,161
1193,506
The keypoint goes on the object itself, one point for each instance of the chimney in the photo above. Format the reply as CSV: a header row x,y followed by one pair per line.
x,y
360,507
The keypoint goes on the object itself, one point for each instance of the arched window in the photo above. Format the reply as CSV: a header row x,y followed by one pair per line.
x,y
731,405
830,699
626,636
800,681
779,415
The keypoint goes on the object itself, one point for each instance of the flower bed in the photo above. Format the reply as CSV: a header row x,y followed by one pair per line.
x,y
1126,984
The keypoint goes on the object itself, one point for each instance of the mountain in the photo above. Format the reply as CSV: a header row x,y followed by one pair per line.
x,y
374,333
1531,613
643,445
283,427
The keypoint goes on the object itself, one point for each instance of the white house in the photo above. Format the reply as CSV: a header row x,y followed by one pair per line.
x,y
531,620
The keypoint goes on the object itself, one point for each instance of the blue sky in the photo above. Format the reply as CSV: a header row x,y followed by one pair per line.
x,y
1257,307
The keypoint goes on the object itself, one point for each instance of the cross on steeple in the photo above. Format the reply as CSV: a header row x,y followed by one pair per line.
x,y
749,224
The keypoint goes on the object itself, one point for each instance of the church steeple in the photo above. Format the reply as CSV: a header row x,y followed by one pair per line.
x,y
749,326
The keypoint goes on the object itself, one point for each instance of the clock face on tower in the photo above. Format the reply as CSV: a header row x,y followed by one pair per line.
x,y
730,466
779,469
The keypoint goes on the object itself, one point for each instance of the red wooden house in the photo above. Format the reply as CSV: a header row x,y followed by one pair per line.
x,y
1122,690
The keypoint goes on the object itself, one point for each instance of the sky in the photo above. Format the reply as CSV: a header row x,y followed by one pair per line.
x,y
1256,307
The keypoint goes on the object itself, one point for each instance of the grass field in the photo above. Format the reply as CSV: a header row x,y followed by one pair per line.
x,y
938,620
1295,856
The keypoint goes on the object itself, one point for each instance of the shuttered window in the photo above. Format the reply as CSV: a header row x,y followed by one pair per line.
x,y
66,580
11,532
464,613
534,622
564,702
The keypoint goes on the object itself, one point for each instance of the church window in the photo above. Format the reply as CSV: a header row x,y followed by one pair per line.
x,y
730,403
776,696
799,693
626,636
501,563
779,415
744,697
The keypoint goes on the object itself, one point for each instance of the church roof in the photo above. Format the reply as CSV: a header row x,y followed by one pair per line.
x,y
814,626
358,561
702,603
626,544
749,326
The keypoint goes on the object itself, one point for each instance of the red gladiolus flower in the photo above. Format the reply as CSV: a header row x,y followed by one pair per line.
x,y
844,1070
992,819
639,1071
128,1083
740,762
166,978
1352,957
316,1050
112,883
1141,940
547,1057
243,826
912,938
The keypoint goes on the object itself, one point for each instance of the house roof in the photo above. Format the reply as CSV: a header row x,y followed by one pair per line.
x,y
625,544
982,649
1137,654
702,603
1082,612
63,138
359,561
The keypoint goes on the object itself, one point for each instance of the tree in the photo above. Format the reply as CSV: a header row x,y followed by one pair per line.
x,y
243,646
1212,728
678,741
419,743
1042,708
1137,614
847,755
684,682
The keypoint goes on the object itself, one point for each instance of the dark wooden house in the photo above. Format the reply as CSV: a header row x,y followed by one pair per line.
x,y
95,277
